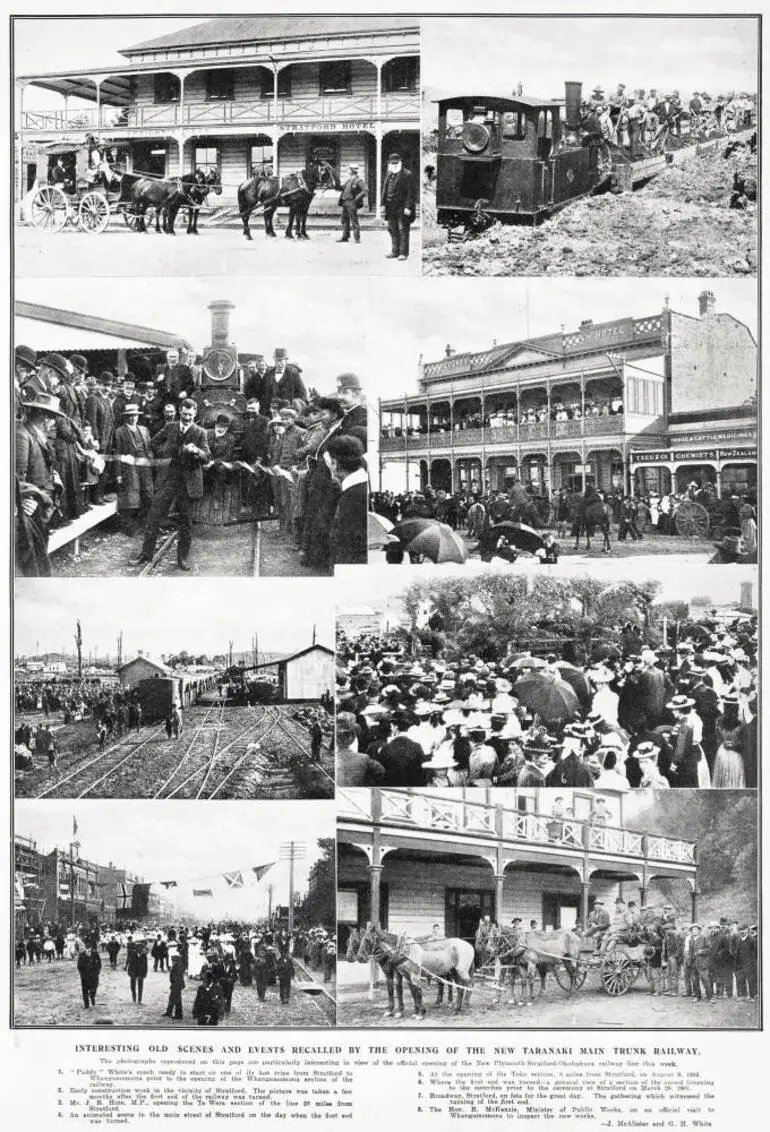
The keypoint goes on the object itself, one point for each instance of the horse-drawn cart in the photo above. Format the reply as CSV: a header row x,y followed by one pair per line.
x,y
70,192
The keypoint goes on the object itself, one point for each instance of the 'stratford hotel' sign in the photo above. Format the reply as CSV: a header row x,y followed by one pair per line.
x,y
329,127
658,456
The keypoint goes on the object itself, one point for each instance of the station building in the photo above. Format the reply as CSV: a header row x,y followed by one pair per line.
x,y
241,94
648,404
410,859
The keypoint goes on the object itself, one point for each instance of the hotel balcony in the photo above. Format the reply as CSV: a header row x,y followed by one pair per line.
x,y
259,112
403,812
505,434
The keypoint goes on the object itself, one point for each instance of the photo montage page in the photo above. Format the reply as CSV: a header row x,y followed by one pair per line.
x,y
386,524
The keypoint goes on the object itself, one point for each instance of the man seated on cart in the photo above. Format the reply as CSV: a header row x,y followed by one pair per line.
x,y
598,925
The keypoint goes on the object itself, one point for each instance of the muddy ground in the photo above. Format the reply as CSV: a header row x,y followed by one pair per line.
x,y
680,223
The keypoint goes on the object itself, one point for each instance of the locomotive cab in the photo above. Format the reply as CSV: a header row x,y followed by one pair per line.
x,y
508,158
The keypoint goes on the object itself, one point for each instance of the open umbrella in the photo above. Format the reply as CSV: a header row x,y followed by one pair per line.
x,y
408,529
529,662
439,543
379,529
577,680
519,534
548,696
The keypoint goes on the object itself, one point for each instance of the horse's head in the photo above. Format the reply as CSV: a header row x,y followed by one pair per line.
x,y
354,940
213,181
366,947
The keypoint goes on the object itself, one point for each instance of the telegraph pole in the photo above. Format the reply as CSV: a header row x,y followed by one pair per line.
x,y
292,851
230,653
120,649
79,647
270,891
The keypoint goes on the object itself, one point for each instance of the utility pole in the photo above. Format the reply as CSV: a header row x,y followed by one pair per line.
x,y
79,647
230,653
270,891
292,851
120,649
314,628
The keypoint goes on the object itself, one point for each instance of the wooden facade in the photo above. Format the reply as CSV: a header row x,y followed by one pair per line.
x,y
307,674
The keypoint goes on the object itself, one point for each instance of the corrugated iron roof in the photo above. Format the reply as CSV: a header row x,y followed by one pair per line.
x,y
261,29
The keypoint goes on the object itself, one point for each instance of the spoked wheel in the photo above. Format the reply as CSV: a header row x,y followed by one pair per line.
x,y
94,213
618,973
49,210
563,978
132,219
692,520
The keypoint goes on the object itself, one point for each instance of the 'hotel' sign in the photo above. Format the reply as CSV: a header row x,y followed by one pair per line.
x,y
328,127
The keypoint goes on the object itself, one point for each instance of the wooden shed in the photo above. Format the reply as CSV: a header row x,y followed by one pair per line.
x,y
307,674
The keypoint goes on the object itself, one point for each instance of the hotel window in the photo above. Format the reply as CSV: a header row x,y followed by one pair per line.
x,y
260,157
167,88
334,78
220,86
399,75
266,83
205,157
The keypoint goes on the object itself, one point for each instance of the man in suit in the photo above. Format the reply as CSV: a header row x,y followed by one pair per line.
x,y
37,480
252,386
98,413
350,394
351,198
176,378
651,689
282,382
133,470
186,449
125,395
348,536
399,203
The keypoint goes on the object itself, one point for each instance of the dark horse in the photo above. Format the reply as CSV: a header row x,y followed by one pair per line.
x,y
535,952
400,959
297,191
167,197
589,516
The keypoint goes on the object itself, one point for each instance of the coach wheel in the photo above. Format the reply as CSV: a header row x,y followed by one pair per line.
x,y
692,520
94,213
49,209
618,973
563,978
476,137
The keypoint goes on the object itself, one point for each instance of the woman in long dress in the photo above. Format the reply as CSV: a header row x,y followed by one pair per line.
x,y
195,958
728,771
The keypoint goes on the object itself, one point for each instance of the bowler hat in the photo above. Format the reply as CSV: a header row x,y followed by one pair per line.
x,y
58,363
78,362
26,355
349,381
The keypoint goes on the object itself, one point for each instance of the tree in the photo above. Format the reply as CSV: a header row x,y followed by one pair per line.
x,y
319,905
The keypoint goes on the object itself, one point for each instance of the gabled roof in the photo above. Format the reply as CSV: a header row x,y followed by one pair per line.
x,y
148,660
261,29
302,652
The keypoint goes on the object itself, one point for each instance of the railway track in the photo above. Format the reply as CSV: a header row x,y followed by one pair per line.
x,y
99,762
231,551
322,999
201,782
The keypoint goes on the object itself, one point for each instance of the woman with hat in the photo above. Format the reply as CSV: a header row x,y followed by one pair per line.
x,y
728,773
37,483
688,762
442,768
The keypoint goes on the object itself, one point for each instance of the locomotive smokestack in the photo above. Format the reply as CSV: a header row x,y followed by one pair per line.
x,y
572,97
220,321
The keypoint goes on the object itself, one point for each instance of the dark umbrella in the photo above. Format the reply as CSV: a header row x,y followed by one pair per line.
x,y
518,534
439,543
578,681
408,529
548,696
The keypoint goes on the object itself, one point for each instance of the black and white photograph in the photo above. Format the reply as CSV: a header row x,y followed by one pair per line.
x,y
223,919
617,145
609,681
591,910
165,429
284,146
203,694
571,418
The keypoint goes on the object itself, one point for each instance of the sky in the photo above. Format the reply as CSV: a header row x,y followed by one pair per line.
x,y
380,327
721,586
194,841
717,55
162,615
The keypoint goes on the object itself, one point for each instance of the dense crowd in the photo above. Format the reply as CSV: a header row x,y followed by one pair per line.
x,y
628,715
82,438
216,957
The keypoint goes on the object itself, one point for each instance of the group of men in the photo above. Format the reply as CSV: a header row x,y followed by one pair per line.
x,y
399,205
634,716
80,436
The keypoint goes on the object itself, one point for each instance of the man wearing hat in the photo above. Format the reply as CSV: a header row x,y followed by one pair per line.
x,y
286,441
25,367
125,395
402,758
185,451
98,413
37,482
56,376
351,198
399,204
282,382
132,456
175,378
598,923
252,386
354,768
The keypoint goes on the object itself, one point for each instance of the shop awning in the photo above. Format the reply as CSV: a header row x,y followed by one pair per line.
x,y
52,328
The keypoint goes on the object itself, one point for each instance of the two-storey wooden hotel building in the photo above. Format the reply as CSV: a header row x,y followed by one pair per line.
x,y
645,403
413,858
244,93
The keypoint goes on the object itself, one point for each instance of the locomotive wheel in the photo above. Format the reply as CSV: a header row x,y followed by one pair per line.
x,y
618,973
562,975
49,210
94,213
692,520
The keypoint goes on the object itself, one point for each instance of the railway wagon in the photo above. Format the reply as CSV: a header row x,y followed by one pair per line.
x,y
158,695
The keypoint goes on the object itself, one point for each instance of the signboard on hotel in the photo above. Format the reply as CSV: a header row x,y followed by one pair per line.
x,y
663,455
328,127
717,437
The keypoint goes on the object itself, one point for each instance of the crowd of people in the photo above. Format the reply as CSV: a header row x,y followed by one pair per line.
x,y
216,958
706,962
628,715
83,438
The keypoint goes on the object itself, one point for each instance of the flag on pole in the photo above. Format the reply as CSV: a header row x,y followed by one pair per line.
x,y
234,880
202,892
124,895
260,870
